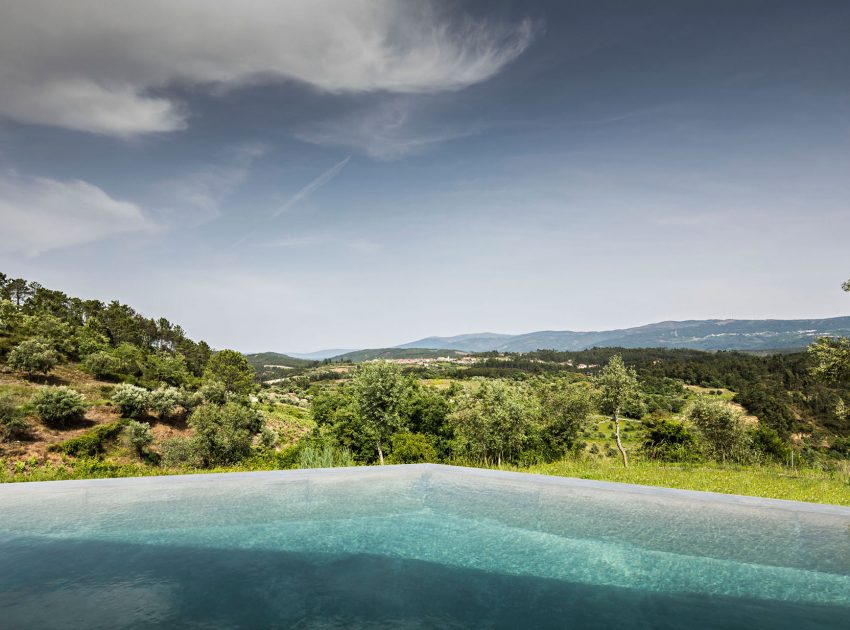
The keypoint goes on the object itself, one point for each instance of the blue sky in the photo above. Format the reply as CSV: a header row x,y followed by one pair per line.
x,y
361,173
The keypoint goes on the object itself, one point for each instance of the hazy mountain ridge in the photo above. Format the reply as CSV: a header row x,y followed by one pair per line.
x,y
711,334
359,356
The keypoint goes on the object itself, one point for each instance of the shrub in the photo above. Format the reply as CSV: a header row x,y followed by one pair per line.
x,y
766,440
268,438
93,442
164,401
411,448
178,452
132,401
103,365
12,424
213,393
58,405
139,435
721,429
670,441
33,356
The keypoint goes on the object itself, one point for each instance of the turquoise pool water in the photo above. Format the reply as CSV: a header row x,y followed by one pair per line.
x,y
413,546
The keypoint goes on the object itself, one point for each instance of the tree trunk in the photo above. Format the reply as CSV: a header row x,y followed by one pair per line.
x,y
380,454
619,443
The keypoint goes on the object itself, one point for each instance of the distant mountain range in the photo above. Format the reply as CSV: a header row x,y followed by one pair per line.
x,y
318,355
358,356
750,335
706,334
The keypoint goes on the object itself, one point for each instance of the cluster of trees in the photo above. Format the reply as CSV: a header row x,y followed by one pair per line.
x,y
790,393
384,414
41,328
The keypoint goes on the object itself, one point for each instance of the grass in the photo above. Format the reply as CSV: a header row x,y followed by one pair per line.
x,y
767,480
108,468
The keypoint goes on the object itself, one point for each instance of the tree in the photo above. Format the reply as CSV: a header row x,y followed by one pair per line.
x,y
232,369
103,365
565,414
618,386
32,357
381,393
492,423
164,401
721,427
832,356
223,434
140,436
58,405
164,367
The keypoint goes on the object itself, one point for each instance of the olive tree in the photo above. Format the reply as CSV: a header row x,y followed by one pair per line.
x,y
492,423
32,357
223,435
381,392
618,385
58,405
140,436
132,401
721,428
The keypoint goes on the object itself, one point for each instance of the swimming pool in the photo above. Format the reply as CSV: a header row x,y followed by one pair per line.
x,y
413,546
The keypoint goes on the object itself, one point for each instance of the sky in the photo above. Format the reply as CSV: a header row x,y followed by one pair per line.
x,y
306,174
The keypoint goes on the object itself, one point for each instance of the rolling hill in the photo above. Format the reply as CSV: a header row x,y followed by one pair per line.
x,y
710,334
359,356
276,359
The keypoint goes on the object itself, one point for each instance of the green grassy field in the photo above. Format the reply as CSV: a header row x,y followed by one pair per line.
x,y
770,481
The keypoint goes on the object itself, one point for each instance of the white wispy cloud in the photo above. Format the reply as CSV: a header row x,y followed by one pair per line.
x,y
298,241
389,131
198,196
40,214
313,186
105,67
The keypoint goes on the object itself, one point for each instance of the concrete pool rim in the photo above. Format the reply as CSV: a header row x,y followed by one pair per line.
x,y
532,479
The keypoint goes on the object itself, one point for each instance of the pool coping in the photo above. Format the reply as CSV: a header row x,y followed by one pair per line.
x,y
526,478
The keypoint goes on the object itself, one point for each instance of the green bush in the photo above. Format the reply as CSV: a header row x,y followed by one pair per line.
x,y
223,435
132,401
140,436
12,423
766,440
213,393
93,442
103,365
58,405
411,448
33,356
721,429
164,401
179,452
670,441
